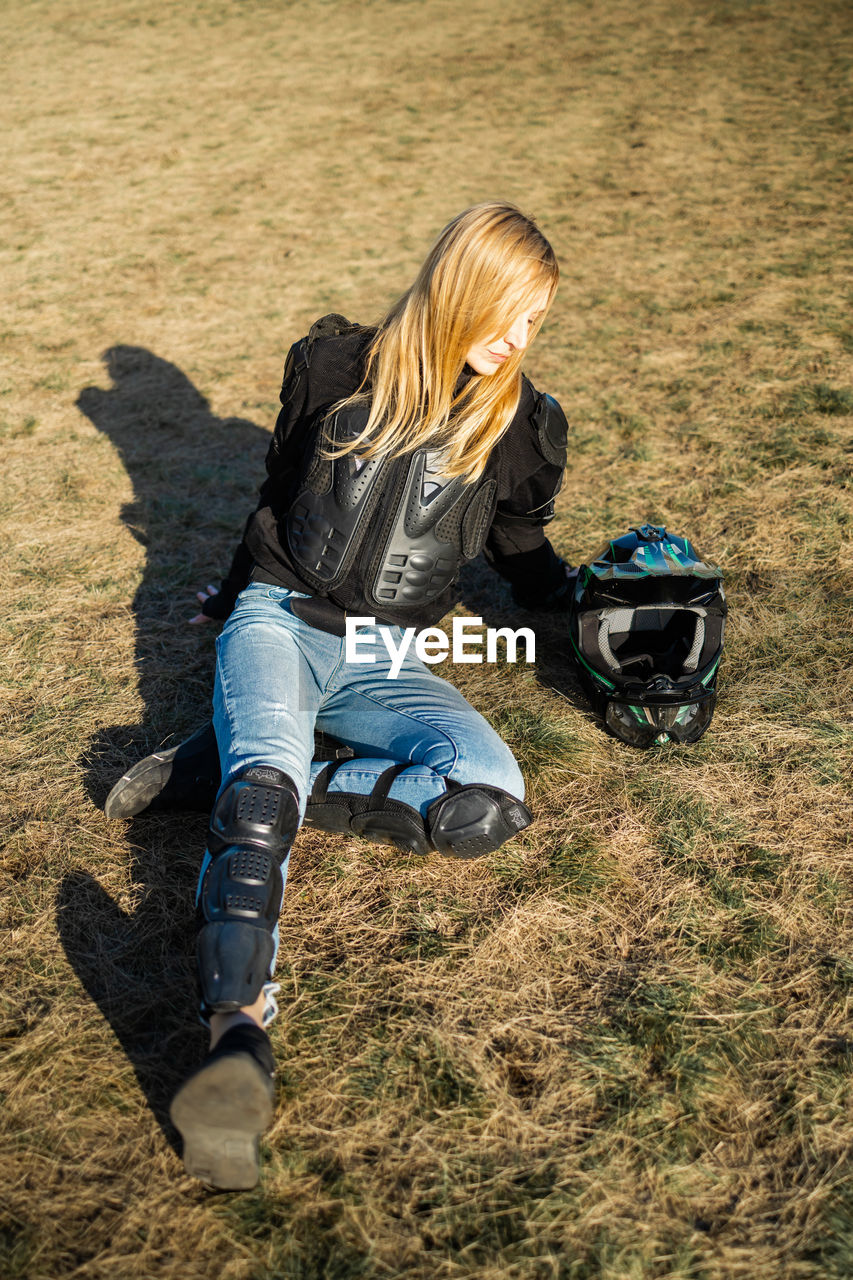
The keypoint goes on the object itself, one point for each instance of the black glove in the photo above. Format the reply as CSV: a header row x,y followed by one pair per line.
x,y
220,605
557,600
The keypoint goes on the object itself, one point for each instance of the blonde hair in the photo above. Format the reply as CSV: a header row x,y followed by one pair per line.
x,y
487,266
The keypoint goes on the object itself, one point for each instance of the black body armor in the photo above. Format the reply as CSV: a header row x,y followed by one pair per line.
x,y
415,534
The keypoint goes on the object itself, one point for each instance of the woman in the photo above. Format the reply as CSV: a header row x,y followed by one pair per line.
x,y
400,452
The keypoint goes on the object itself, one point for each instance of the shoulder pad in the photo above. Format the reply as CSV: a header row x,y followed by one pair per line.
x,y
331,326
552,429
299,356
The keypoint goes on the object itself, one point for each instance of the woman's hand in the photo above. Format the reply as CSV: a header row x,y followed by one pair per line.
x,y
558,599
203,597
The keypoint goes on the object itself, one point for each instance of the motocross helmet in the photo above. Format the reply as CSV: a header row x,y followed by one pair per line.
x,y
646,630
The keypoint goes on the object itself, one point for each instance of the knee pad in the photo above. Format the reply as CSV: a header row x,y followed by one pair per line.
x,y
259,809
252,827
472,820
465,822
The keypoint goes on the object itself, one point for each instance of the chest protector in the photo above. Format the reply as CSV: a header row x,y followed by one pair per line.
x,y
408,535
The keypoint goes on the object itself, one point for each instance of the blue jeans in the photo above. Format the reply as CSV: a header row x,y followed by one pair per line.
x,y
277,678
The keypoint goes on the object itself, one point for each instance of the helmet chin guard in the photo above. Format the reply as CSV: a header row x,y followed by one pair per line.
x,y
646,631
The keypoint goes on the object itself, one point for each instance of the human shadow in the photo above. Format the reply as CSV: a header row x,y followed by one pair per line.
x,y
194,476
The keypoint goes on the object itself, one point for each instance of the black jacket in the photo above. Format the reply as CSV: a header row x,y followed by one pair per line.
x,y
526,481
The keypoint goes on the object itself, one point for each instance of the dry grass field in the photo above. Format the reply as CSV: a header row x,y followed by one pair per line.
x,y
621,1047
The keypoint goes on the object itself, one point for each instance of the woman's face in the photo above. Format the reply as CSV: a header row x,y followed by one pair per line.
x,y
487,357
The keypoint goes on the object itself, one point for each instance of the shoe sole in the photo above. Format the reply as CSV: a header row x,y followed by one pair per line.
x,y
135,790
221,1112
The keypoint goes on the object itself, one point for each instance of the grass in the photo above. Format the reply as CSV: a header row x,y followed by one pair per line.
x,y
620,1047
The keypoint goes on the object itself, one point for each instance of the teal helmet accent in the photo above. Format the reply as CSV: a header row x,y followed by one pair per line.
x,y
646,631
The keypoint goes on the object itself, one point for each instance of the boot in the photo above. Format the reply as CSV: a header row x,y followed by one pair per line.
x,y
187,777
184,777
224,1107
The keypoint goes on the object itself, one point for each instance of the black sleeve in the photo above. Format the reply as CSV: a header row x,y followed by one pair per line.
x,y
516,546
294,402
220,606
280,459
519,551
533,574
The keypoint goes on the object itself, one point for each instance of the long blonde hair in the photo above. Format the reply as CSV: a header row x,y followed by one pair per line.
x,y
486,267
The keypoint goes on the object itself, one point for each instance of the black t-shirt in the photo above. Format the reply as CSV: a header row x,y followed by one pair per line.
x,y
325,368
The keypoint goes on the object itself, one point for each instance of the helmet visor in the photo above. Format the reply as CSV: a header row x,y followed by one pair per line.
x,y
644,724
